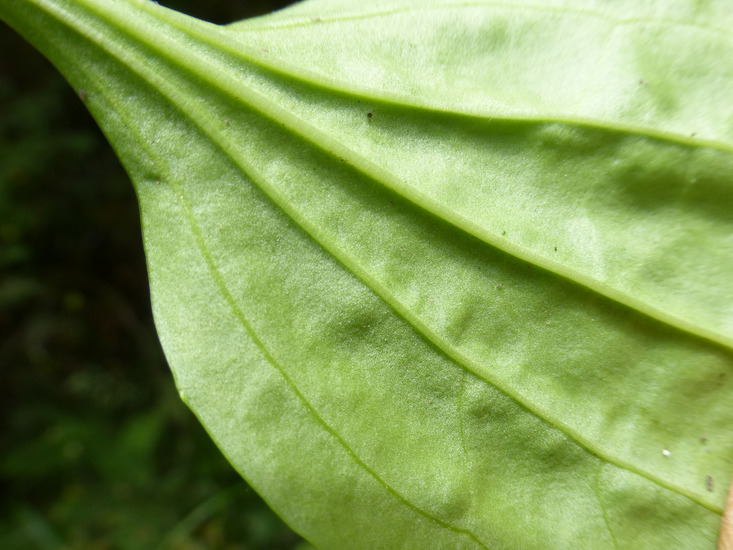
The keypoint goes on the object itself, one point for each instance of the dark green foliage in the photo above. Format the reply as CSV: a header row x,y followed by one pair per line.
x,y
96,449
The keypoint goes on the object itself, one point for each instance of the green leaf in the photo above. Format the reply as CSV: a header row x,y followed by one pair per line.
x,y
451,275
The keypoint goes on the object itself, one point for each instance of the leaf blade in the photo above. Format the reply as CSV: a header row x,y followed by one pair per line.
x,y
212,204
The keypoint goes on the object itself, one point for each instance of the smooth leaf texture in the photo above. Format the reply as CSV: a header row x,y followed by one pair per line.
x,y
438,275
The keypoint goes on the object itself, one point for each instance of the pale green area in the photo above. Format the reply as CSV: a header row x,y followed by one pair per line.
x,y
494,314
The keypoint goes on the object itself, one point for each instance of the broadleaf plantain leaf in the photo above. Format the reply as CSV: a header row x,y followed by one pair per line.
x,y
438,275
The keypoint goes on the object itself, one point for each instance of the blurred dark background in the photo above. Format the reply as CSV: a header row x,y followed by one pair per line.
x,y
96,449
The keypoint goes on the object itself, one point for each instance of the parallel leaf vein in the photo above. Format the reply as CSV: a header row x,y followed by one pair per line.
x,y
241,317
313,135
168,90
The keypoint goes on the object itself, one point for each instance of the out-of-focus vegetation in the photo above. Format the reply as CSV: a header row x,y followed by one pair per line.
x,y
96,449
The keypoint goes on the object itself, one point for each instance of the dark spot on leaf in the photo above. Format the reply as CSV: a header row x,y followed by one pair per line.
x,y
503,233
369,115
226,122
498,287
709,483
83,95
703,439
555,249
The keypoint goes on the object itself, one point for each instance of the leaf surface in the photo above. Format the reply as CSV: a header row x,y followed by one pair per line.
x,y
442,275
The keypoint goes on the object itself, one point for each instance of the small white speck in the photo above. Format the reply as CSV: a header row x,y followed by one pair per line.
x,y
665,452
